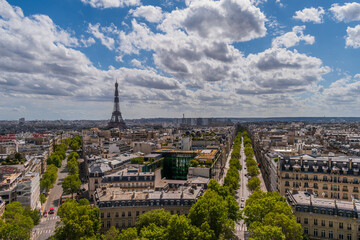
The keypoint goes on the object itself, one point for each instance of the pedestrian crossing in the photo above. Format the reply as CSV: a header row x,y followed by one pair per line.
x,y
37,232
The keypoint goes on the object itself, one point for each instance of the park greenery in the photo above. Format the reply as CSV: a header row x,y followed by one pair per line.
x,y
137,160
268,216
17,159
18,221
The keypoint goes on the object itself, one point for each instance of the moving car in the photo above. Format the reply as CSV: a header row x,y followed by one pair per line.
x,y
51,211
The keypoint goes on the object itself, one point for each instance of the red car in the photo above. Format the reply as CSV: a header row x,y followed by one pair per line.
x,y
51,211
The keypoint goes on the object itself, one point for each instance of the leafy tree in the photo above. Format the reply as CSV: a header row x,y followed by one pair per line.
x,y
74,146
112,234
42,198
55,160
71,184
49,178
270,209
16,225
72,166
266,232
180,228
34,214
253,171
73,155
253,183
79,220
128,234
159,217
212,208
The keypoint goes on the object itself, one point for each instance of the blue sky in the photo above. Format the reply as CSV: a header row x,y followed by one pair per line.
x,y
232,58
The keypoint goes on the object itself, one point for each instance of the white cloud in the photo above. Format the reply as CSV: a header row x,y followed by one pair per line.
x,y
87,42
345,91
111,3
108,42
353,37
136,63
312,14
229,20
150,13
347,12
292,38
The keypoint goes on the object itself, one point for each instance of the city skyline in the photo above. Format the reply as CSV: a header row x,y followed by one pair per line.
x,y
232,58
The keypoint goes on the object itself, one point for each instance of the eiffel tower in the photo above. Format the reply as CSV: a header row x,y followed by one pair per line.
x,y
116,120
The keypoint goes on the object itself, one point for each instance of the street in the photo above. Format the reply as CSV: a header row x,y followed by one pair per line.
x,y
46,227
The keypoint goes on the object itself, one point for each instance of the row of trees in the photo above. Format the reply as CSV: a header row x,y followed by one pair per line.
x,y
232,177
72,184
251,164
268,216
18,221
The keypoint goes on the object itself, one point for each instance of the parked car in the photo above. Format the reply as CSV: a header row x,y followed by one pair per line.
x,y
242,205
51,211
242,199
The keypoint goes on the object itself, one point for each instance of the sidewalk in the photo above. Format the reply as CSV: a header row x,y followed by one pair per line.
x,y
262,184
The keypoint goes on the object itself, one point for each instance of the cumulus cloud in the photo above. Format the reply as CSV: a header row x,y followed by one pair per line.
x,y
343,91
292,38
347,12
281,71
108,42
312,14
111,3
353,37
231,20
150,13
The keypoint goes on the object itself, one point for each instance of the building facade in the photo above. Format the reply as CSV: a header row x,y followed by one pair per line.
x,y
326,218
121,209
327,177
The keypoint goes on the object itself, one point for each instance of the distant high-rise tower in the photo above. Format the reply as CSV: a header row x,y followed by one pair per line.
x,y
116,120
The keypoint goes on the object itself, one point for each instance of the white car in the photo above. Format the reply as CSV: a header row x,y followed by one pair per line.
x,y
242,205
242,199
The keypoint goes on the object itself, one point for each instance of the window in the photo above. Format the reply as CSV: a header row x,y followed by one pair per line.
x,y
129,214
96,181
123,224
324,178
315,222
331,235
325,186
102,215
117,225
316,186
323,223
298,220
355,180
129,223
137,213
349,226
306,184
323,233
108,214
108,225
356,189
330,224
315,232
117,214
341,225
123,214
315,177
102,224
306,221
349,237
341,236
345,180
287,183
287,175
306,230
